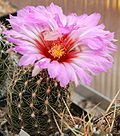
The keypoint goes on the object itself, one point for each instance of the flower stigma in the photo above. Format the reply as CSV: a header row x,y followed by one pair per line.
x,y
57,51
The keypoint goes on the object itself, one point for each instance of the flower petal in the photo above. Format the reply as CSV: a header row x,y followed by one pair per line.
x,y
43,63
29,59
84,77
36,70
62,78
53,69
26,49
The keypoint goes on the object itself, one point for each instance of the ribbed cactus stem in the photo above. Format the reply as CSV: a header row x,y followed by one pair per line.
x,y
30,100
4,62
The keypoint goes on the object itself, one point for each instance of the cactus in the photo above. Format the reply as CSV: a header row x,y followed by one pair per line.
x,y
30,100
4,62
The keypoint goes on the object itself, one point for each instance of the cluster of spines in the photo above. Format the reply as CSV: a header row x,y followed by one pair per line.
x,y
4,62
3,56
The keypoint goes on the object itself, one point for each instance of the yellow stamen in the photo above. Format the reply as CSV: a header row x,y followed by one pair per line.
x,y
57,51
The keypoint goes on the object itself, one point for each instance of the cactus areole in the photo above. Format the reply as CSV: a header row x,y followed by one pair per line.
x,y
55,51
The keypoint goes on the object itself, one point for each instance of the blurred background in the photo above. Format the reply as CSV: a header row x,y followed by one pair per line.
x,y
105,83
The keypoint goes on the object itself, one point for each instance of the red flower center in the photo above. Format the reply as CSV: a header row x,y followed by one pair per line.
x,y
60,49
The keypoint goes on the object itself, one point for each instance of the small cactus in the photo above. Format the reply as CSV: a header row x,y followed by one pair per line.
x,y
30,101
4,61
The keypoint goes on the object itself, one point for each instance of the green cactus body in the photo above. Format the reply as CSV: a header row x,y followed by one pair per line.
x,y
3,58
4,62
30,100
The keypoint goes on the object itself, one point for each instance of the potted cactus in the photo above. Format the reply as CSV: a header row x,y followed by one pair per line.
x,y
55,51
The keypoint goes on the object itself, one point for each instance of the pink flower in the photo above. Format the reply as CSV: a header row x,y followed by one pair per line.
x,y
72,48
